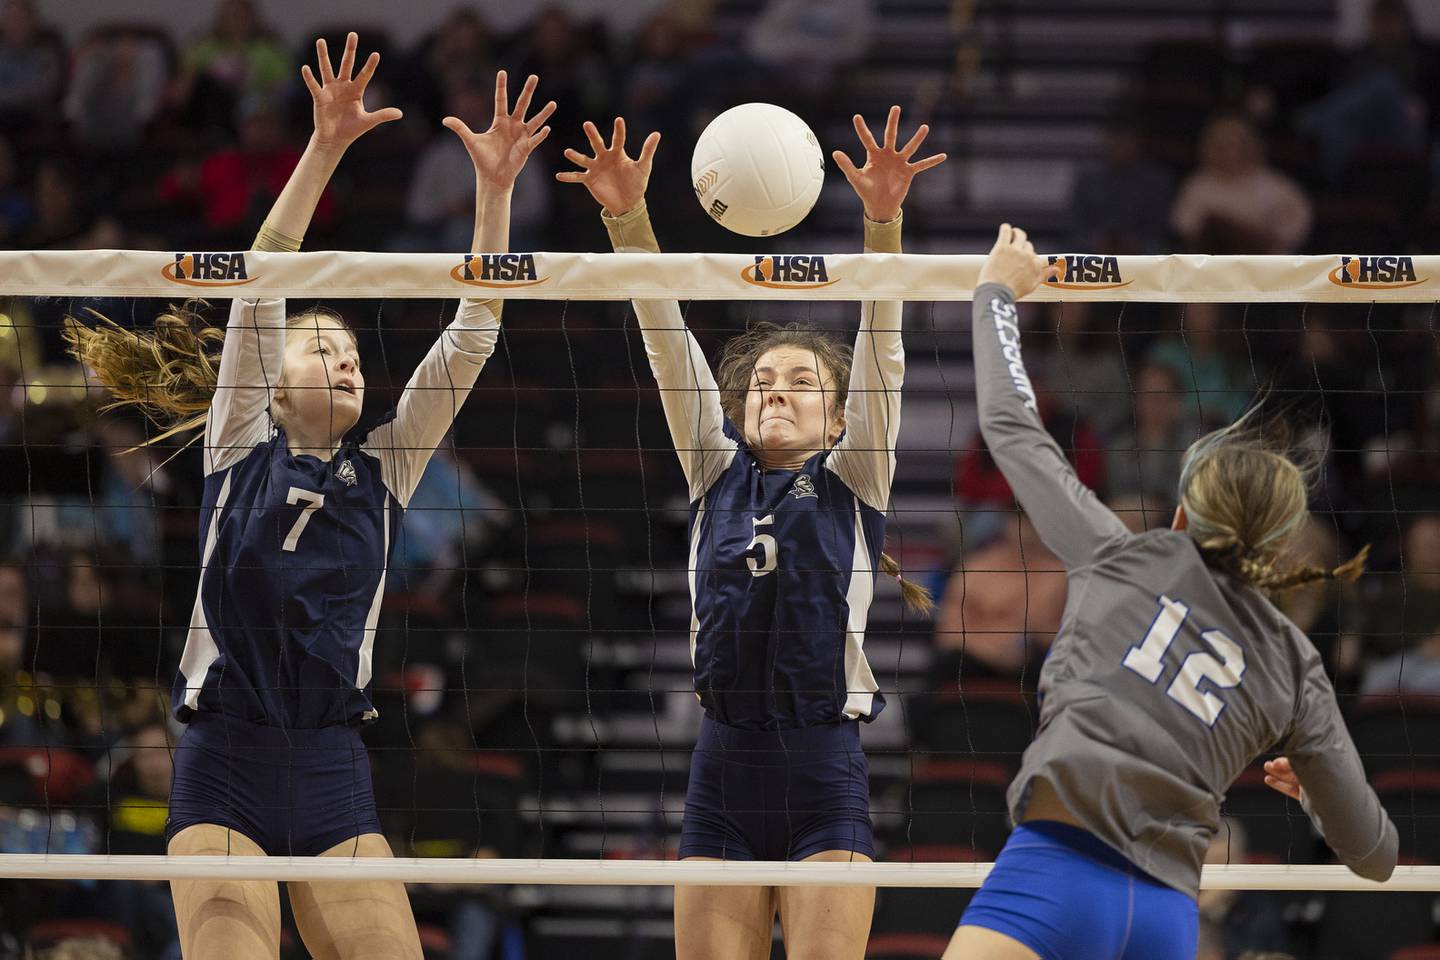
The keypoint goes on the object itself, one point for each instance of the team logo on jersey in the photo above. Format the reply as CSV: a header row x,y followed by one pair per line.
x,y
782,272
1007,331
346,472
804,487
1375,273
497,270
208,270
1086,272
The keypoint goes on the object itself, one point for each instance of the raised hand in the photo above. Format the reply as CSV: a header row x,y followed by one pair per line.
x,y
340,114
613,179
1014,263
885,179
500,152
1280,776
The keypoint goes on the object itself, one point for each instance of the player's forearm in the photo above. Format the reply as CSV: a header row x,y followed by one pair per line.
x,y
492,219
296,204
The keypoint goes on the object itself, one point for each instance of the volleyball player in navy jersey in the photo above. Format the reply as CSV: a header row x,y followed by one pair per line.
x,y
788,458
1171,672
298,517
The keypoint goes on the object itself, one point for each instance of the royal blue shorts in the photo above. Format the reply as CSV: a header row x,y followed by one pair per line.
x,y
294,792
777,794
1066,895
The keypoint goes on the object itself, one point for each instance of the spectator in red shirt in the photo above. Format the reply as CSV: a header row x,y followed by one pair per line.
x,y
234,186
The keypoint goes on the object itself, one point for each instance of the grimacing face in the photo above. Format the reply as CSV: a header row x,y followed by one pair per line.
x,y
321,385
790,405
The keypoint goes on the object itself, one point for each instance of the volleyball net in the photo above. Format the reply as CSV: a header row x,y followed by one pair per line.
x,y
532,662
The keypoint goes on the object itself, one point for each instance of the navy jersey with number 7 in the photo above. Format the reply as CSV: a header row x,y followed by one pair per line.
x,y
293,548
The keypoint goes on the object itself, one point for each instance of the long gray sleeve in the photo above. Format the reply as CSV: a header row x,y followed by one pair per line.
x,y
1341,803
1070,519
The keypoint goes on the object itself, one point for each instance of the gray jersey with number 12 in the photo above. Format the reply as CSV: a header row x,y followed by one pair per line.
x,y
1167,678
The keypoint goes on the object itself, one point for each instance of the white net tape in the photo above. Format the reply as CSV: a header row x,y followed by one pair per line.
x,y
707,276
647,872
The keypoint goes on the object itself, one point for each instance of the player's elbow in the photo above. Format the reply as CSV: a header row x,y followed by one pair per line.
x,y
1379,863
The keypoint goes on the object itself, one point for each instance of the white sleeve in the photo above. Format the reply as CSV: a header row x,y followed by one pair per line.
x,y
249,369
865,456
688,394
433,396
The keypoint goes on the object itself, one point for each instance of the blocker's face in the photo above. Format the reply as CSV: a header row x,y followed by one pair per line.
x,y
790,406
321,381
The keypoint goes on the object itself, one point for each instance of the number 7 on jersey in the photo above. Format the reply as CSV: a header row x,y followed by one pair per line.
x,y
1147,660
313,501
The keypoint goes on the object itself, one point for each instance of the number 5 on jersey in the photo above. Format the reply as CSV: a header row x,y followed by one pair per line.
x,y
769,551
1147,661
313,501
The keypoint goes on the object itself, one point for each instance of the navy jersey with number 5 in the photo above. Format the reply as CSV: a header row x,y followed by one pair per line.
x,y
293,548
782,563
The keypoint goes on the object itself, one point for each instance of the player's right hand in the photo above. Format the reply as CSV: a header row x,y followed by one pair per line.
x,y
1014,263
340,114
615,180
1280,776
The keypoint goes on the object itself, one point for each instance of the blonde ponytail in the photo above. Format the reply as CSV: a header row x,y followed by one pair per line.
x,y
168,373
916,597
1244,497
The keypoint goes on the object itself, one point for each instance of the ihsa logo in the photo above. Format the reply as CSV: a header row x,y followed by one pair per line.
x,y
1375,273
497,270
1086,272
799,270
207,270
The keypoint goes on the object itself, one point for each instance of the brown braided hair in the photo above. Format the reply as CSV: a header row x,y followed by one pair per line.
x,y
168,373
1245,494
736,369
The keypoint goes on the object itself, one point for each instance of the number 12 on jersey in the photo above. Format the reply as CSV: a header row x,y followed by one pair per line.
x,y
1224,673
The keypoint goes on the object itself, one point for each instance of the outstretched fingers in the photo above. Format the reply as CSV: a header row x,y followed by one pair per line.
x,y
522,102
322,53
932,161
311,83
368,69
867,140
579,159
347,59
892,127
647,149
502,94
539,119
846,165
592,133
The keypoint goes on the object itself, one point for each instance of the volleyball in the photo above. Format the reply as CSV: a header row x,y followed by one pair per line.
x,y
757,169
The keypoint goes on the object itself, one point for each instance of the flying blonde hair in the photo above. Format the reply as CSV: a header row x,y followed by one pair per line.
x,y
169,372
1245,495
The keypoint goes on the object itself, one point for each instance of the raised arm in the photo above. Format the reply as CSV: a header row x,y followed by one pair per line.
x,y
445,377
255,334
688,392
865,456
1323,772
1070,519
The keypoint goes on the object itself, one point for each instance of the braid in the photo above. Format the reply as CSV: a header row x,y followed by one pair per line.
x,y
916,597
1258,569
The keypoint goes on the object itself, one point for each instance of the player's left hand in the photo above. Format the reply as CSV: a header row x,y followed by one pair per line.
x,y
1280,776
885,179
501,151
340,114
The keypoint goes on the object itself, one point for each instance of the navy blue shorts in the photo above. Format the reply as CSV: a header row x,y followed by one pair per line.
x,y
294,792
777,794
1066,895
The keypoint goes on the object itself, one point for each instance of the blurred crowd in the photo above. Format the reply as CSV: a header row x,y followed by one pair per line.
x,y
133,137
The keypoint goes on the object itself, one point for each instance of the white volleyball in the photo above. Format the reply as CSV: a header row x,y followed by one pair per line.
x,y
757,169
